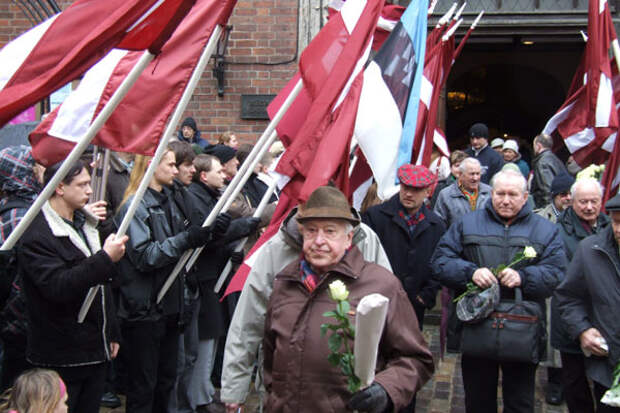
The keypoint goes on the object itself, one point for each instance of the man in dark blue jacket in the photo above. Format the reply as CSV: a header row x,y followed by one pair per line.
x,y
490,160
480,241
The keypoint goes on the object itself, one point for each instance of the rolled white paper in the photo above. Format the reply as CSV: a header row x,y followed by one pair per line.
x,y
369,321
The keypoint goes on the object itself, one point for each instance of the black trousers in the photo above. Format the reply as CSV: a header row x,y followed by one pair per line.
x,y
152,348
575,384
419,312
84,386
480,378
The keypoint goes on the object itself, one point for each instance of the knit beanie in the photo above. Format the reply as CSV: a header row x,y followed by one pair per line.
x,y
561,183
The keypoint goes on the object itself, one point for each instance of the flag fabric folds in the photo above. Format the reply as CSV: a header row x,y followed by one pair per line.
x,y
388,109
332,71
587,122
63,47
140,119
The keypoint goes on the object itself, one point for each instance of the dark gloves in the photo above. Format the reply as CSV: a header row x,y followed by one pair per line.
x,y
221,224
236,257
198,236
252,223
373,399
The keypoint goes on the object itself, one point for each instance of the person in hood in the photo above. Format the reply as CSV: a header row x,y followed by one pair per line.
x,y
189,133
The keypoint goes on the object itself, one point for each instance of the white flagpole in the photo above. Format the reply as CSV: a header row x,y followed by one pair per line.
x,y
446,17
457,15
259,211
159,153
268,136
616,50
78,149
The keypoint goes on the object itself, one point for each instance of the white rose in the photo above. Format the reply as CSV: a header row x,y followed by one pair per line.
x,y
338,291
529,252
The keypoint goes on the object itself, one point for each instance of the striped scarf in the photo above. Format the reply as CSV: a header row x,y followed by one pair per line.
x,y
308,277
472,197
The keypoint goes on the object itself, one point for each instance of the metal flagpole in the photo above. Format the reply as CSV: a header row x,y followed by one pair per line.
x,y
268,136
159,153
77,150
259,211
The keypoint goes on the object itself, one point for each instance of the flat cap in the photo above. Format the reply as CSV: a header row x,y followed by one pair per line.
x,y
613,204
416,176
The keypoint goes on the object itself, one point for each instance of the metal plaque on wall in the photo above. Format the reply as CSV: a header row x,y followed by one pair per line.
x,y
255,106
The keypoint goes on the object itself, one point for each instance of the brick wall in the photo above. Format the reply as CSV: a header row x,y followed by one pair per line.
x,y
262,41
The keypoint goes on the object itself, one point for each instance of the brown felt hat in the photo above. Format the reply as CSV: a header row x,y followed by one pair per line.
x,y
327,202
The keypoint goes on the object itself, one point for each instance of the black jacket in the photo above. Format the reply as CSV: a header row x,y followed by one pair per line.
x,y
57,273
572,232
490,160
589,296
255,190
545,166
212,321
409,255
157,239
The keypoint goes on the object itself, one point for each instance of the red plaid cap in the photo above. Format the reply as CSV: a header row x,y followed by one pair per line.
x,y
417,176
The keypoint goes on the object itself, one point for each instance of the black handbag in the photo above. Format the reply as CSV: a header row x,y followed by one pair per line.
x,y
514,331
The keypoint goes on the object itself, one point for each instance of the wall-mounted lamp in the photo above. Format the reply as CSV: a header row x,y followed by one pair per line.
x,y
218,67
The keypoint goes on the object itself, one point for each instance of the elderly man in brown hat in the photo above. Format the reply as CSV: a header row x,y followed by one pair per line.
x,y
298,376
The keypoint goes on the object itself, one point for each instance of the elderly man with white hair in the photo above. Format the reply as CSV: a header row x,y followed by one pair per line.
x,y
472,247
298,375
582,219
465,195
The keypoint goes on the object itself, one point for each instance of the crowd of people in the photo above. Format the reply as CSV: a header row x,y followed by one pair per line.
x,y
441,234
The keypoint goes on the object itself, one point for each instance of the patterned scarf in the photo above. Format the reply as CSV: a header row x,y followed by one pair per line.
x,y
472,197
411,220
308,277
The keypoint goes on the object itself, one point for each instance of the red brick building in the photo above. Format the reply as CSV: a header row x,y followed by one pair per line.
x,y
260,58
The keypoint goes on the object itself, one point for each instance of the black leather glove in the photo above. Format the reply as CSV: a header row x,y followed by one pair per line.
x,y
252,223
221,224
236,257
373,399
198,236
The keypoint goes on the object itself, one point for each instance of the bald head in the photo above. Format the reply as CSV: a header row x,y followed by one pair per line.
x,y
587,195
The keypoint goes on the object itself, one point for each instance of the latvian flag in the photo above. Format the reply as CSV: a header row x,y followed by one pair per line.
x,y
63,47
587,122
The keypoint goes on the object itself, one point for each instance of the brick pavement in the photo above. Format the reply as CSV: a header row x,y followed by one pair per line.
x,y
444,393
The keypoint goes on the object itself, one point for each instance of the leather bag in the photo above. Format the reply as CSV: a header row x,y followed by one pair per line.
x,y
515,331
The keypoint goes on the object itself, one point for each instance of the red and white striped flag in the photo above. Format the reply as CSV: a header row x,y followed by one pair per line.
x,y
331,68
587,122
63,47
140,119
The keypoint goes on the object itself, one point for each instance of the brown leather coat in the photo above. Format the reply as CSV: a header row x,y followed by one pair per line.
x,y
297,374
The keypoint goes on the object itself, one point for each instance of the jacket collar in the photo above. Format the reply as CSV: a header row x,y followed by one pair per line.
x,y
605,241
60,228
572,223
350,266
525,211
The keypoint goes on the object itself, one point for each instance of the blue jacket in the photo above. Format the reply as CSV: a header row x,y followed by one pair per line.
x,y
482,239
409,254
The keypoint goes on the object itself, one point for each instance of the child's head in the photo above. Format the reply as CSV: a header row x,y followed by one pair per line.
x,y
37,391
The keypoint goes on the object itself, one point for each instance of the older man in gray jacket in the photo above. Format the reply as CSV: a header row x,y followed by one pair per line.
x,y
465,195
246,328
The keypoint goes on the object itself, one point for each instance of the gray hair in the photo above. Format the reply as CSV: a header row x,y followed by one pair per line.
x,y
584,182
544,140
509,174
348,227
468,161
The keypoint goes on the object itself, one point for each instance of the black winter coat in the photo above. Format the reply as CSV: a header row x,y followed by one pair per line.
x,y
212,321
56,276
572,232
589,296
409,255
482,239
157,239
